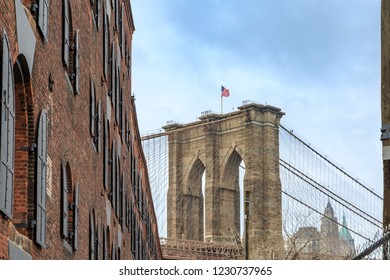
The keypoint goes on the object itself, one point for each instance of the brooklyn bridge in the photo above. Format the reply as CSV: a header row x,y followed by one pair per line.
x,y
241,185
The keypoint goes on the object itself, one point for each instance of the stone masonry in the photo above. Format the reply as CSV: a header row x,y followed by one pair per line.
x,y
216,145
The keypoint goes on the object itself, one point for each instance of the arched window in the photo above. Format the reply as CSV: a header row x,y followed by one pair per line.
x,y
70,206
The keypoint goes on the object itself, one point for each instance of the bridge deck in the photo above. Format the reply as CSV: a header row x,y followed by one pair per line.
x,y
181,249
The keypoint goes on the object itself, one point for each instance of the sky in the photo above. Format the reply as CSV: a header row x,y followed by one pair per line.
x,y
319,61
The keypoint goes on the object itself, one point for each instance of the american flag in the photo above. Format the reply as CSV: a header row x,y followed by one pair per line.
x,y
224,92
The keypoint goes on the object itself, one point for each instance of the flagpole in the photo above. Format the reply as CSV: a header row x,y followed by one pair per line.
x,y
221,104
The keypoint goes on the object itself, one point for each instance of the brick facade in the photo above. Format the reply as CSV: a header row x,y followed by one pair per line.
x,y
95,138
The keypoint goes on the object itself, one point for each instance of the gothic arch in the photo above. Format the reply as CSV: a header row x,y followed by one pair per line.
x,y
24,191
229,194
193,204
232,149
195,168
250,135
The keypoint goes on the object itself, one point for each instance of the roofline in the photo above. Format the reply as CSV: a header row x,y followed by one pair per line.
x,y
130,16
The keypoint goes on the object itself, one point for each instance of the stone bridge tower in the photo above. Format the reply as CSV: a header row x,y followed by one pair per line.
x,y
216,145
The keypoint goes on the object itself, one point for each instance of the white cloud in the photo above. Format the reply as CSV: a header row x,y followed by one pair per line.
x,y
318,61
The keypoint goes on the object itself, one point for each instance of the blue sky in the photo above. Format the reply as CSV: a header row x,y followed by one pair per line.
x,y
319,61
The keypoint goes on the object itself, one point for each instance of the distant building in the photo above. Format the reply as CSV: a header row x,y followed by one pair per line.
x,y
305,241
327,243
73,178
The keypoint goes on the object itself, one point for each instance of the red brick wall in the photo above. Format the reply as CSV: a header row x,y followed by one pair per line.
x,y
68,135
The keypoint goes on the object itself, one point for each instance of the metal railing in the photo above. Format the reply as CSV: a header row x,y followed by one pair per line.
x,y
182,249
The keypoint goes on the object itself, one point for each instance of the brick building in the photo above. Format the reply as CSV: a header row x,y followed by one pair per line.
x,y
74,183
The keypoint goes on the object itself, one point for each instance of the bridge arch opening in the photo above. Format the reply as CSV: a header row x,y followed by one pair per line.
x,y
193,202
231,207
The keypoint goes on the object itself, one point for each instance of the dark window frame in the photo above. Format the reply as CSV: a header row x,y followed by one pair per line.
x,y
113,175
69,206
106,45
95,117
71,48
92,230
106,153
76,69
96,8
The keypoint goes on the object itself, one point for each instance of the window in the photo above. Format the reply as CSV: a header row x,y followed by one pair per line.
x,y
117,92
41,170
128,131
40,11
113,175
126,209
113,74
95,117
96,6
106,40
76,218
134,235
92,241
71,51
118,184
121,118
116,13
76,70
135,176
126,126
43,18
115,179
122,209
98,241
122,31
92,110
70,207
113,251
99,125
128,58
105,244
106,152
65,205
7,124
139,243
140,192
130,213
66,32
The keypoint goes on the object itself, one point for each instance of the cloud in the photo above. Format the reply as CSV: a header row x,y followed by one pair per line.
x,y
318,61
